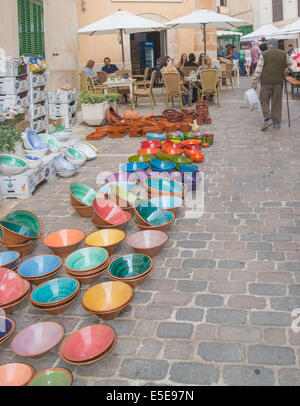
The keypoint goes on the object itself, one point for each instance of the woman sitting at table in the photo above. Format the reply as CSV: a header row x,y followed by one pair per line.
x,y
191,61
201,59
88,70
207,64
183,60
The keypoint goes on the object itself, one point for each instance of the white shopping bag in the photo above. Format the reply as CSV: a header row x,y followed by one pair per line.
x,y
252,100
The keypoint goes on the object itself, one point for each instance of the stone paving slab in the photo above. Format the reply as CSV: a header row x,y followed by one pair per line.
x,y
217,310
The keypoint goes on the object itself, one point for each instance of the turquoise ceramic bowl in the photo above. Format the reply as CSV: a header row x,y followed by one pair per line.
x,y
83,193
150,214
153,136
163,185
167,202
134,166
11,164
86,259
169,215
39,266
55,291
140,158
75,154
187,168
130,266
158,165
25,218
18,228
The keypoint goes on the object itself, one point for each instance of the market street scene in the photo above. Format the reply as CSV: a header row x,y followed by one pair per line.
x,y
150,193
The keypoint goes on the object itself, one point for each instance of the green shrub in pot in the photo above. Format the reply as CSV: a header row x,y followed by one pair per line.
x,y
9,138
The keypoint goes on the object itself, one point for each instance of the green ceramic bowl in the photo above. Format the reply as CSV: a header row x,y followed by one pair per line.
x,y
18,228
130,266
52,377
151,214
75,154
84,193
86,259
140,158
181,160
163,157
25,218
188,136
13,161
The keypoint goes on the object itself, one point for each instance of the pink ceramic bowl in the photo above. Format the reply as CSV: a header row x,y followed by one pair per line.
x,y
38,339
87,343
147,242
109,211
12,286
16,374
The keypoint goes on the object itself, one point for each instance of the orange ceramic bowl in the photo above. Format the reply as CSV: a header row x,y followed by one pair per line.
x,y
15,374
63,242
191,142
197,156
149,151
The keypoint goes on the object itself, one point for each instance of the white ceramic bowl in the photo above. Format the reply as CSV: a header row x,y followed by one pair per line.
x,y
86,150
33,164
36,152
9,168
66,174
74,161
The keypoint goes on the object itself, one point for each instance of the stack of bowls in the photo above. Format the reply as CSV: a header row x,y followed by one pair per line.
x,y
34,145
86,149
33,162
107,299
82,197
140,158
132,269
40,269
20,231
107,214
37,340
162,166
159,186
75,157
153,136
148,242
87,264
64,168
123,198
63,242
109,238
170,219
7,328
151,144
56,295
14,290
147,214
10,260
88,345
52,377
15,374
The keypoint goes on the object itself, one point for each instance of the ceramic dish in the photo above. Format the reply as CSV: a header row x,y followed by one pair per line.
x,y
24,249
55,292
52,377
153,136
134,166
14,233
7,328
188,168
66,174
130,266
164,186
170,217
167,202
107,212
33,162
119,225
11,164
82,194
25,218
148,242
40,266
140,158
15,374
33,141
86,259
12,287
121,177
85,149
148,214
63,165
63,242
105,189
55,310
158,165
148,151
107,238
9,259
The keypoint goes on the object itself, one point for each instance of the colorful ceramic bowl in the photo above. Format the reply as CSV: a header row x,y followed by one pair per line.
x,y
121,177
148,242
14,233
7,328
63,242
134,166
123,197
38,339
170,217
140,158
86,259
130,267
188,168
61,164
24,249
189,148
25,218
12,287
74,154
167,202
153,136
82,194
148,214
164,186
107,238
9,259
15,374
181,160
55,310
119,225
107,212
40,266
163,157
105,189
87,150
158,165
148,151
11,164
54,292
190,142
88,343
52,377
84,211
151,144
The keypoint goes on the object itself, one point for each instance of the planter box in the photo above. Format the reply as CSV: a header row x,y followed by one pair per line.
x,y
94,114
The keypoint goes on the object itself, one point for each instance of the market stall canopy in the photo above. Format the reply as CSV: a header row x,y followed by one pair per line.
x,y
226,33
121,22
293,28
206,19
267,31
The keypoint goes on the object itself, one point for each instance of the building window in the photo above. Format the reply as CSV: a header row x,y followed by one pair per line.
x,y
223,3
277,10
31,27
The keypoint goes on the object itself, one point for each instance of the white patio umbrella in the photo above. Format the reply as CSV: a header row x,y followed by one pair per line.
x,y
206,19
267,31
293,28
121,22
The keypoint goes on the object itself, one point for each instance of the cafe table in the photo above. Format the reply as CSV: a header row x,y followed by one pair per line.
x,y
115,83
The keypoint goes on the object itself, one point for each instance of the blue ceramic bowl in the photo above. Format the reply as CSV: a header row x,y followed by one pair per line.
x,y
32,158
188,168
125,185
167,202
39,266
56,291
158,165
35,141
153,136
9,259
6,326
62,164
134,166
149,213
163,185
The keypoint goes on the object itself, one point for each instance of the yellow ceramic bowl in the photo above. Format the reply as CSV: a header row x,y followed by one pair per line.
x,y
105,237
107,296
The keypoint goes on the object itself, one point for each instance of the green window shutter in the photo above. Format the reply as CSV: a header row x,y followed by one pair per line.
x,y
31,27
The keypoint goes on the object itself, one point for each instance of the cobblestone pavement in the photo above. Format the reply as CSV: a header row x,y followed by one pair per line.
x,y
218,307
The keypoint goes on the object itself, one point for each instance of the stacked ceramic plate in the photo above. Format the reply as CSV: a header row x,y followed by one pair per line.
x,y
19,231
7,328
107,214
88,345
82,197
107,299
56,295
170,219
132,269
87,264
14,290
40,269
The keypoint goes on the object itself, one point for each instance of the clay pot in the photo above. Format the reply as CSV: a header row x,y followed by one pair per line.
x,y
84,211
112,116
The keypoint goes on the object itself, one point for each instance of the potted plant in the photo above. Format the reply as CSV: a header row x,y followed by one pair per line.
x,y
10,140
95,104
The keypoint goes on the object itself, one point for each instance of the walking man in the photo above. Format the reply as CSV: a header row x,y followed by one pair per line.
x,y
270,71
255,54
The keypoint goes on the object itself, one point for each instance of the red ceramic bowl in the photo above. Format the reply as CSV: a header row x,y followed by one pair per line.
x,y
151,144
191,142
196,147
87,343
12,286
109,211
149,151
120,225
197,156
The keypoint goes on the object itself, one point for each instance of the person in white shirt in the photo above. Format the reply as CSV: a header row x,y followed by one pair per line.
x,y
248,60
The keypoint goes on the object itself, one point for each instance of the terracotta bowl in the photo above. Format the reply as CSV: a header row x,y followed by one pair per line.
x,y
148,242
55,292
171,203
86,259
107,212
151,144
148,151
133,282
191,142
107,238
193,148
7,328
14,233
11,307
38,339
86,211
88,280
122,197
52,377
12,286
170,216
82,194
197,156
9,259
63,242
56,309
88,343
149,214
121,225
26,218
96,271
40,268
24,249
159,186
15,374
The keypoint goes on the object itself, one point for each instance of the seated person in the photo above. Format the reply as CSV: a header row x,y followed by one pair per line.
x,y
108,67
191,61
88,70
207,64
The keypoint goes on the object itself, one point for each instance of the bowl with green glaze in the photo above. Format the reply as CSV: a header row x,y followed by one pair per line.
x,y
14,234
82,194
170,219
158,186
52,377
55,292
11,164
163,157
140,158
181,160
148,214
86,259
74,154
25,218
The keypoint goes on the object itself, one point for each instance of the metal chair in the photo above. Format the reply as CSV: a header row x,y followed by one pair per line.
x,y
209,84
145,92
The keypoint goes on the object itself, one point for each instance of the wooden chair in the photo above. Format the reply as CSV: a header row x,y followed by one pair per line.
x,y
142,80
83,82
226,73
209,79
124,91
174,88
95,88
145,92
102,76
